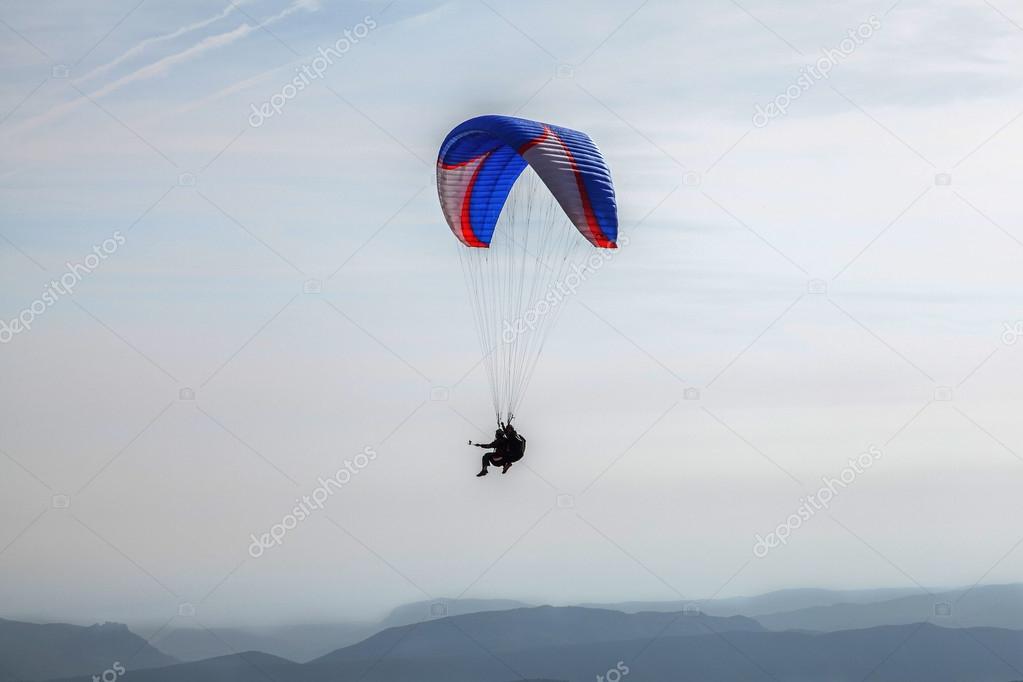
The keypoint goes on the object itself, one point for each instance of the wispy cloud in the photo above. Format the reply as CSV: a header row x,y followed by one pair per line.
x,y
214,42
163,66
142,46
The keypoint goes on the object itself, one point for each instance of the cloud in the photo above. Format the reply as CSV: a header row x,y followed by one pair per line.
x,y
139,48
207,44
162,66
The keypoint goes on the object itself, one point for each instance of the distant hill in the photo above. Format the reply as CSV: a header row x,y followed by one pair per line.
x,y
800,609
30,651
303,643
453,650
989,605
770,602
911,653
242,667
416,612
817,610
518,629
297,643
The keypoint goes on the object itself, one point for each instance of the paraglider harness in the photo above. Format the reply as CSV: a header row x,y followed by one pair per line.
x,y
508,448
516,445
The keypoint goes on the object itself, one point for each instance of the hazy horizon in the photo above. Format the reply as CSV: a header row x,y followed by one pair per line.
x,y
146,625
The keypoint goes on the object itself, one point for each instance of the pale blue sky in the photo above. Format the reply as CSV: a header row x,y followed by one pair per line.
x,y
148,135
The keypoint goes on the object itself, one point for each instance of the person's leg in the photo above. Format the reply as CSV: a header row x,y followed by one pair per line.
x,y
506,462
485,463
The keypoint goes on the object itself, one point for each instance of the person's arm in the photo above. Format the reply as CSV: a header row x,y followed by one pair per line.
x,y
486,445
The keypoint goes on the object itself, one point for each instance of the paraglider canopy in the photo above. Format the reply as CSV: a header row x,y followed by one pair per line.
x,y
480,160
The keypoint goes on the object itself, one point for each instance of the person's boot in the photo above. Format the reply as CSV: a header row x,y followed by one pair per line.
x,y
483,472
505,468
